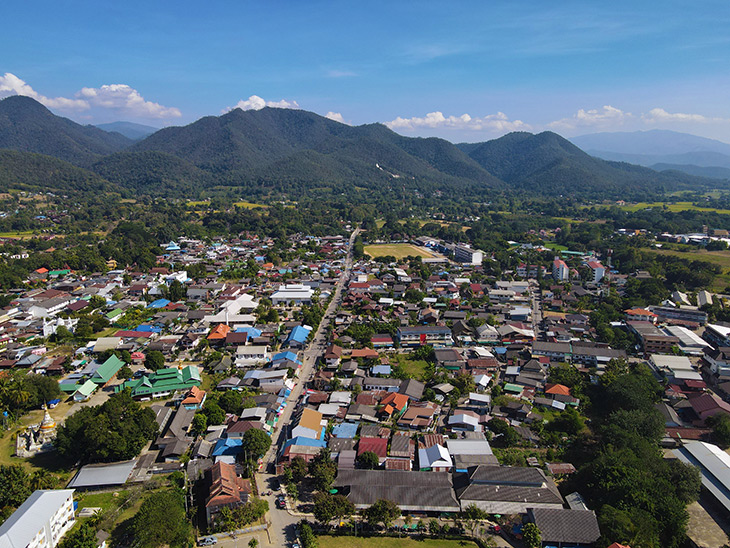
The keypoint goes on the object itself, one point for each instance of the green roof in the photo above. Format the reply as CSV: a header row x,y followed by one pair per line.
x,y
59,272
169,379
87,388
512,387
114,313
107,370
69,387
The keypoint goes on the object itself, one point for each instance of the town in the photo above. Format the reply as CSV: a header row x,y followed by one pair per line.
x,y
360,385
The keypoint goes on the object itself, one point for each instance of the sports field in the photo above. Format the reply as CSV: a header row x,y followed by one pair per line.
x,y
399,251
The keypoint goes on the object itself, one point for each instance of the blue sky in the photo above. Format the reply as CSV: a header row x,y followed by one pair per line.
x,y
464,71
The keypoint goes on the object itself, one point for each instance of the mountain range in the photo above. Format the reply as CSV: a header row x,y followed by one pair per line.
x,y
129,129
295,152
661,150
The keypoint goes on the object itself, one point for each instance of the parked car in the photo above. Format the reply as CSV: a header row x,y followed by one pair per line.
x,y
496,529
207,541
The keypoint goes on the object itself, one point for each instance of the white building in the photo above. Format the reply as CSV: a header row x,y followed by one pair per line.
x,y
40,521
561,272
599,271
296,293
714,466
465,254
252,355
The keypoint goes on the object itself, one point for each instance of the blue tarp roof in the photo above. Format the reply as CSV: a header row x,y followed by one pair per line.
x,y
307,442
251,331
345,430
281,356
149,328
159,303
228,446
299,334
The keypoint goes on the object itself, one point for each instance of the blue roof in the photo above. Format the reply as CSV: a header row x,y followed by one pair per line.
x,y
345,430
252,331
149,328
159,303
299,334
380,370
307,442
500,349
228,446
287,355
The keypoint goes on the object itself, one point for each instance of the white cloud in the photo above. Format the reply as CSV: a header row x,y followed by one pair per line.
x,y
336,116
433,120
120,98
607,116
659,115
257,103
12,85
126,100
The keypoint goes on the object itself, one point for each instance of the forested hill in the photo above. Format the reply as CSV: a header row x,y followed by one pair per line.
x,y
28,126
274,152
549,164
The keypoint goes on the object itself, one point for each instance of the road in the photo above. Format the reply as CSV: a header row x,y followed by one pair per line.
x,y
282,528
536,296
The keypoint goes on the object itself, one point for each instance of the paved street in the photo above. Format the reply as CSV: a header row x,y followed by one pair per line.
x,y
283,523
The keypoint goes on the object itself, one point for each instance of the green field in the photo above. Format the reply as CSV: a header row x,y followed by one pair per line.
x,y
413,368
391,542
673,207
248,205
399,251
555,247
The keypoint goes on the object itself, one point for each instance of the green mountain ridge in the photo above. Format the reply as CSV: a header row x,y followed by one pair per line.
x,y
294,152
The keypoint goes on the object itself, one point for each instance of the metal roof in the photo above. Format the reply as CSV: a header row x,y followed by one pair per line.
x,y
99,475
23,525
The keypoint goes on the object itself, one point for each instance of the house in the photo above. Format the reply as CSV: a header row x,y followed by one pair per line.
x,y
308,424
434,335
252,355
394,403
224,489
333,356
412,388
162,382
298,336
379,446
194,399
85,391
435,458
561,527
377,383
107,371
41,521
292,293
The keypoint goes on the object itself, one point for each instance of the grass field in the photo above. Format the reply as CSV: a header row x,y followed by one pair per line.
x,y
248,205
399,251
674,207
556,247
413,368
391,542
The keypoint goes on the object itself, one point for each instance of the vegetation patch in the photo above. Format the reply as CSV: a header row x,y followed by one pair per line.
x,y
390,542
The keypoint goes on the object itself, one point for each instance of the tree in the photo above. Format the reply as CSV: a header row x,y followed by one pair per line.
x,y
231,402
298,467
214,413
368,460
531,536
306,535
83,537
154,360
472,515
328,507
161,521
200,423
255,444
253,543
323,469
382,511
720,424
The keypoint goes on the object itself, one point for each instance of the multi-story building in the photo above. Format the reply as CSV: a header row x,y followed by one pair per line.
x,y
425,334
599,271
680,314
465,254
40,521
561,272
653,340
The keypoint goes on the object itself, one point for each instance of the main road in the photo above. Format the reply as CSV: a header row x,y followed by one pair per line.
x,y
282,523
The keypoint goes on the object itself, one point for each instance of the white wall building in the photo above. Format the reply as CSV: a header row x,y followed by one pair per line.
x,y
561,272
40,521
296,293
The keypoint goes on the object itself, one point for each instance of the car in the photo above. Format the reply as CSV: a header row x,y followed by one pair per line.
x,y
207,541
496,529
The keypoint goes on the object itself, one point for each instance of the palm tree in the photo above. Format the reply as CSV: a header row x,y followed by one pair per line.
x,y
16,395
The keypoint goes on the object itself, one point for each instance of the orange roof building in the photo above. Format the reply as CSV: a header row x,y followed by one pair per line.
x,y
194,399
397,402
225,489
557,389
219,332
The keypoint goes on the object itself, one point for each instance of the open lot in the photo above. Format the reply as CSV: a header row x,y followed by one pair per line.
x,y
391,542
399,251
674,207
720,258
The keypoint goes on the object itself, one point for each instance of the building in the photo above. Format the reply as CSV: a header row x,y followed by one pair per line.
x,y
565,528
561,272
411,491
41,521
224,489
506,489
682,314
465,254
714,466
252,355
163,382
653,340
308,425
292,293
689,342
718,335
599,271
434,335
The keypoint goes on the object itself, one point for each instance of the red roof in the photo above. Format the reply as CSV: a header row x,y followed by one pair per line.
x,y
379,446
557,389
133,334
219,332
